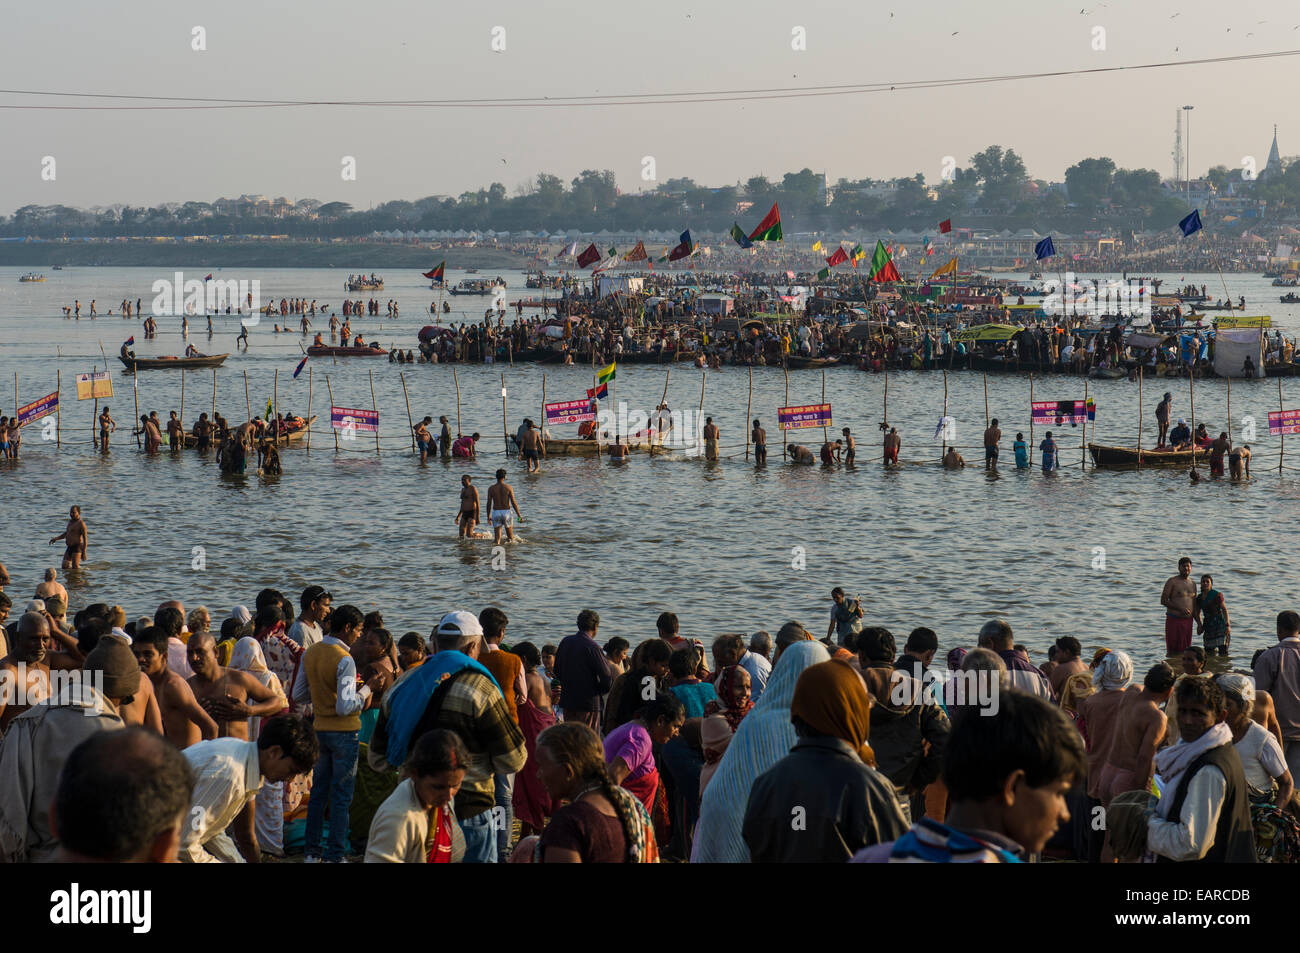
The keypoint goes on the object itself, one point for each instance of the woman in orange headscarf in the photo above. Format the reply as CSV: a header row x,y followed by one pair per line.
x,y
826,782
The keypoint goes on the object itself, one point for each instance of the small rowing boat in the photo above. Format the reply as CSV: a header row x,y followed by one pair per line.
x,y
134,364
294,433
1126,458
31,276
329,350
796,362
589,448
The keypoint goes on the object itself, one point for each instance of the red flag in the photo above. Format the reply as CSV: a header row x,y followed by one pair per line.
x,y
769,229
839,258
437,273
945,226
589,257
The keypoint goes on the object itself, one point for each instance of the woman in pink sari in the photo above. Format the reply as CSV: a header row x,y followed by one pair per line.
x,y
533,804
629,754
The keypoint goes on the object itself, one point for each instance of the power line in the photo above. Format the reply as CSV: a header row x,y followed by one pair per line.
x,y
623,99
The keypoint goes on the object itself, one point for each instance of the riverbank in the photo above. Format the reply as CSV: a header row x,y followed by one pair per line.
x,y
349,255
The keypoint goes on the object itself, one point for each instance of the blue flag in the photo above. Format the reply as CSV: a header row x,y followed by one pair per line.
x,y
301,364
1192,223
1045,248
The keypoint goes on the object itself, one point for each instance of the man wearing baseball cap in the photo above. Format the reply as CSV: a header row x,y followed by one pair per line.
x,y
452,690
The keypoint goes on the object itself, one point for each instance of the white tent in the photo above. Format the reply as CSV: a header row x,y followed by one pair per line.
x,y
1231,348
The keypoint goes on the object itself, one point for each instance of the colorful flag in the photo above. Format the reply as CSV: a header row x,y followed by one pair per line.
x,y
927,245
270,410
882,269
1092,409
769,229
838,258
1192,223
683,249
571,250
945,226
949,269
589,257
606,374
437,273
817,246
209,277
612,253
1044,249
301,364
598,393
637,254
739,235
129,341
858,253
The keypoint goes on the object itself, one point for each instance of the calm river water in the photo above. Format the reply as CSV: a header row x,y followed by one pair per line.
x,y
728,547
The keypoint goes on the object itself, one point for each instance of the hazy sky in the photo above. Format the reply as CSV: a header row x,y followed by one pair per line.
x,y
403,49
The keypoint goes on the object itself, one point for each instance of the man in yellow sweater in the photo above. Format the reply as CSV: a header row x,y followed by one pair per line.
x,y
328,679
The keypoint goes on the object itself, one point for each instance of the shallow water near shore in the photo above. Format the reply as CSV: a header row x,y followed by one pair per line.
x,y
727,546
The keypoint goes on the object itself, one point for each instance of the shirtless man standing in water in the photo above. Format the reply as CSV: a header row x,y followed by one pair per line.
x,y
230,696
467,514
501,497
75,539
183,719
1179,599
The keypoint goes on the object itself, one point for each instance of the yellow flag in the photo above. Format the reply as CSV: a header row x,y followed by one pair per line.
x,y
817,246
949,269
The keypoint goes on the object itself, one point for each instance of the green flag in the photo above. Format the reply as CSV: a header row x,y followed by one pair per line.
x,y
270,409
824,273
882,269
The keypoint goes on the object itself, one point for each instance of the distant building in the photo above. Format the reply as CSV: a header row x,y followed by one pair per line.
x,y
1274,165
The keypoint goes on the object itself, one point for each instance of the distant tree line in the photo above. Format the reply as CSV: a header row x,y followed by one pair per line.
x,y
993,191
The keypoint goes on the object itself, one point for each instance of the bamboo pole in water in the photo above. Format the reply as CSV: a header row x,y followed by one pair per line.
x,y
700,415
825,438
58,424
1281,450
330,390
275,405
248,404
749,403
135,391
409,420
1083,446
784,432
1191,387
1031,421
182,407
944,422
1229,411
456,379
214,395
375,407
1139,443
505,426
309,410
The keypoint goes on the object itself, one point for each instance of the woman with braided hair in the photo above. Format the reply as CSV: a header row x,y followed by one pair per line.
x,y
600,821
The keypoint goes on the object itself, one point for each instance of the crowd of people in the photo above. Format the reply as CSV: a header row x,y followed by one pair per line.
x,y
307,728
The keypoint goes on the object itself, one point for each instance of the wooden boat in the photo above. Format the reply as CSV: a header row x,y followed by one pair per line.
x,y
1126,458
172,363
1282,370
329,350
31,276
797,362
588,448
1290,298
362,284
292,436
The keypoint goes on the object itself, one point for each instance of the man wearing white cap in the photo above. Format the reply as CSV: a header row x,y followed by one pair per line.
x,y
452,690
